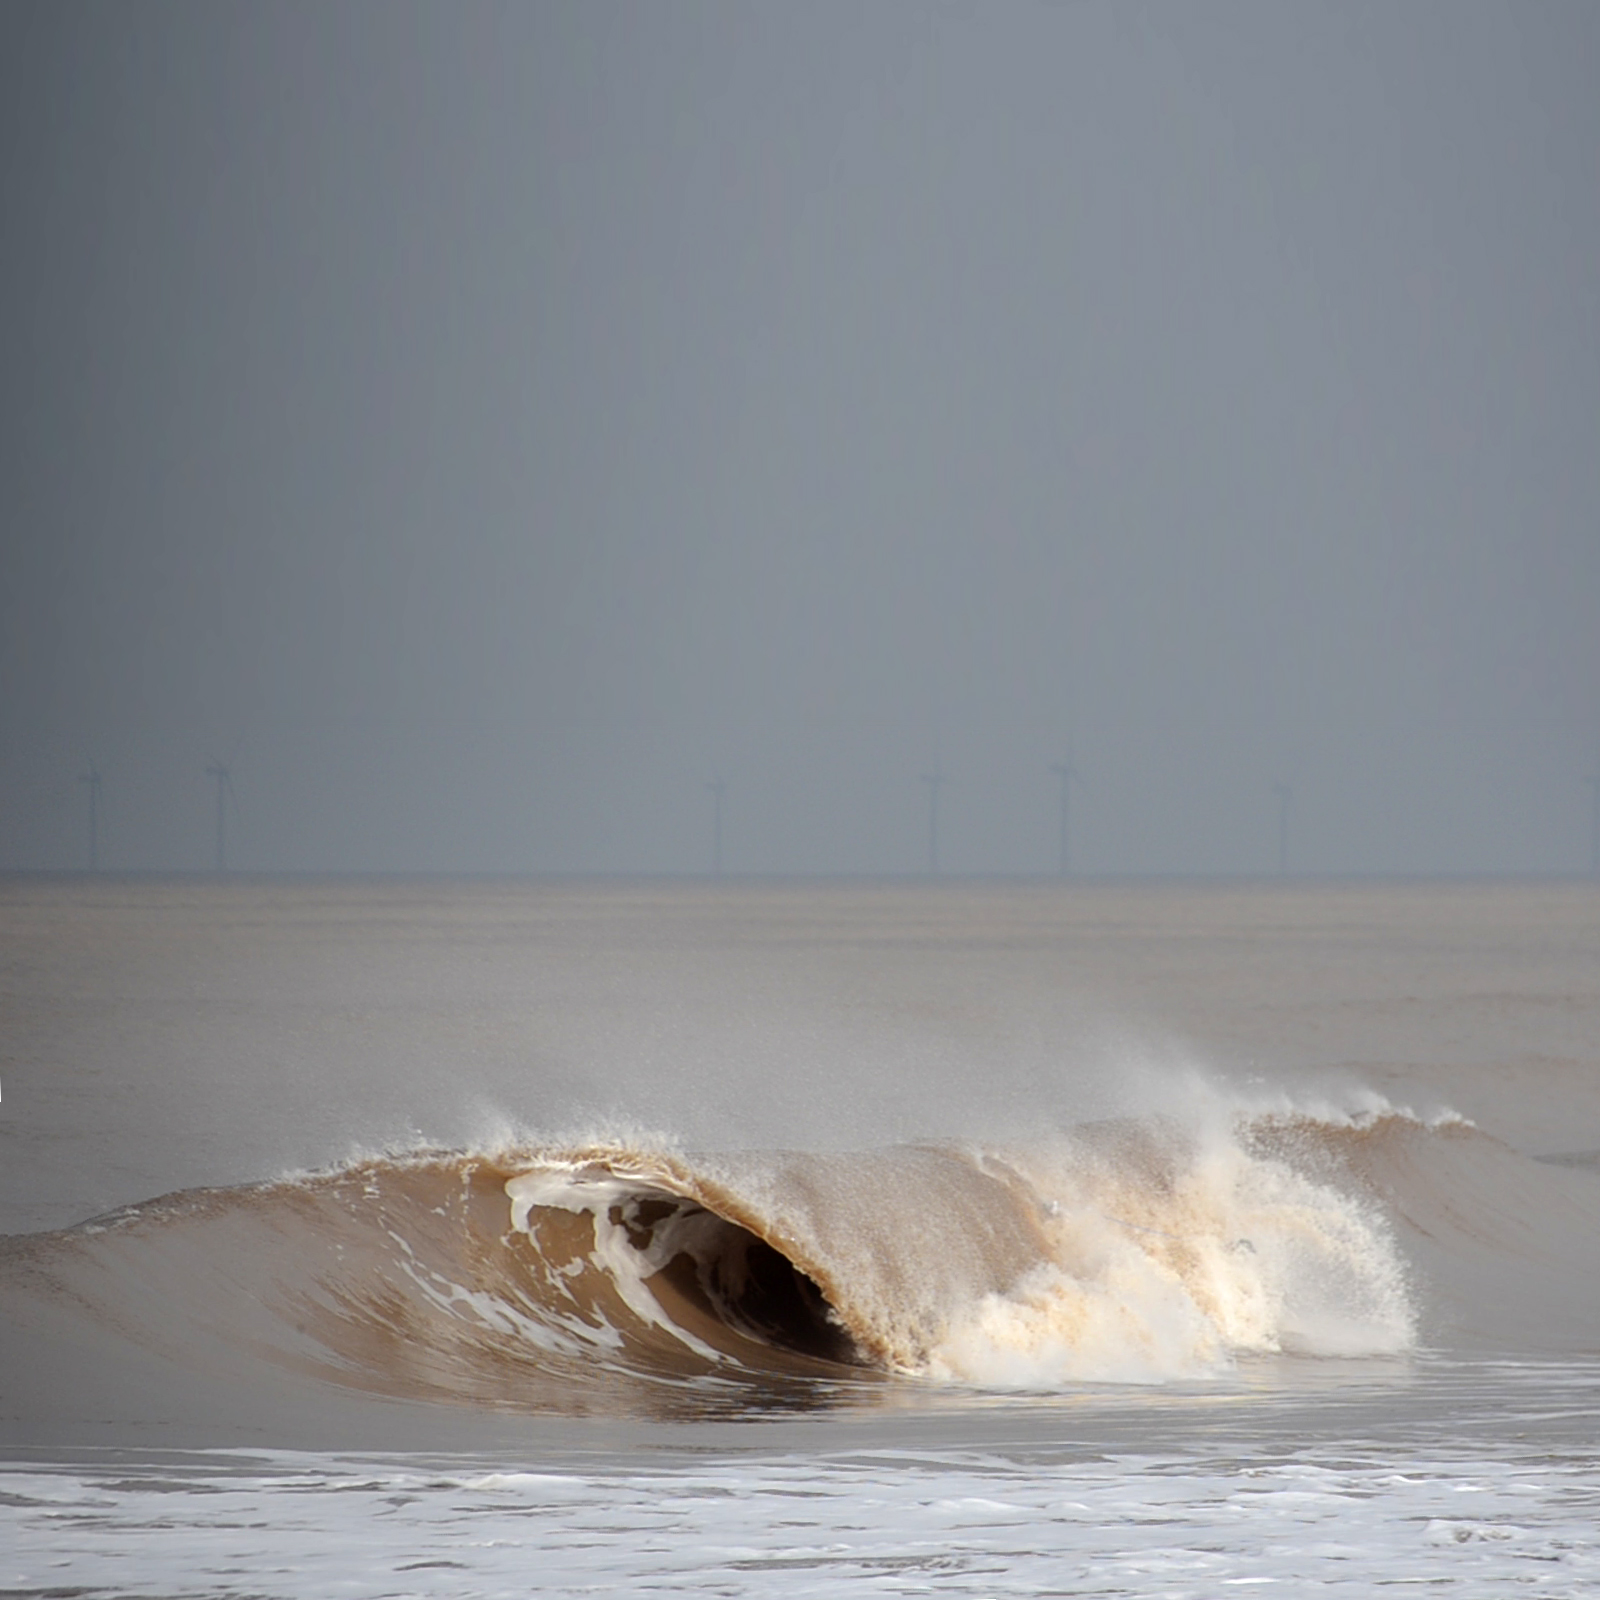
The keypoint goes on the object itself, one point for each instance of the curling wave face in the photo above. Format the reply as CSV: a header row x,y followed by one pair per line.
x,y
608,1277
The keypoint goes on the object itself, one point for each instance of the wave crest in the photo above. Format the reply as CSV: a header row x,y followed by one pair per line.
x,y
585,1278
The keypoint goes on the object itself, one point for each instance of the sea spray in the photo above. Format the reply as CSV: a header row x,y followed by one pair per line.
x,y
1171,1252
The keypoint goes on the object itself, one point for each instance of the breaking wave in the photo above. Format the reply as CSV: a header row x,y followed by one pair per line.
x,y
615,1276
582,1278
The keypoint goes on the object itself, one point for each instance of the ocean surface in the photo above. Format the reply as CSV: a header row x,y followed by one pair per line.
x,y
420,1237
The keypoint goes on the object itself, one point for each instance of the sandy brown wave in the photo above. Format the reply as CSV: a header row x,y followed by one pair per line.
x,y
669,1276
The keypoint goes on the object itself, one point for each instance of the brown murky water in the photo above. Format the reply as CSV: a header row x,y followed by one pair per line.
x,y
589,1177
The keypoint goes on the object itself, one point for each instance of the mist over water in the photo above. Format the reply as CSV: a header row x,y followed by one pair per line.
x,y
282,1027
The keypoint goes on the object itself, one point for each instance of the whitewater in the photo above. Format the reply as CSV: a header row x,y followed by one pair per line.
x,y
488,1238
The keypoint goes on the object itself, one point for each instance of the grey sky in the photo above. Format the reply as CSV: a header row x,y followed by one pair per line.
x,y
487,423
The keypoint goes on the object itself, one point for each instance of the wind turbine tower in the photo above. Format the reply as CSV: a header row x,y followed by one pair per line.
x,y
1285,795
718,787
1067,774
1594,826
223,776
933,780
91,779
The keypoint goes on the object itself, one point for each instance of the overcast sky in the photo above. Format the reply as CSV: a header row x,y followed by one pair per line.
x,y
484,425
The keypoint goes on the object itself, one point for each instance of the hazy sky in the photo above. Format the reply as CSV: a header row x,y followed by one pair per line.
x,y
486,424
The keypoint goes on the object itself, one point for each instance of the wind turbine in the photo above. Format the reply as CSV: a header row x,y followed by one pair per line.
x,y
1067,774
92,779
718,787
933,780
1594,825
223,774
1285,795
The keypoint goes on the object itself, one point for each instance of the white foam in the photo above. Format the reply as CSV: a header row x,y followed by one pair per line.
x,y
574,1186
802,1524
1230,1253
580,1188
